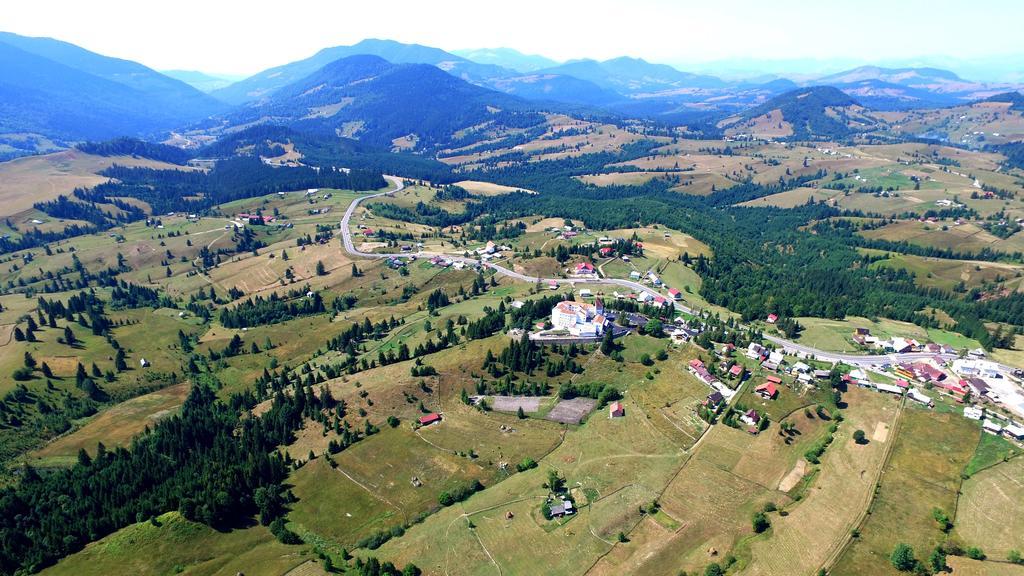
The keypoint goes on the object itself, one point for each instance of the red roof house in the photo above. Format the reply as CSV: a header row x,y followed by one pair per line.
x,y
606,251
767,390
615,410
584,268
772,318
430,419
736,371
773,379
675,294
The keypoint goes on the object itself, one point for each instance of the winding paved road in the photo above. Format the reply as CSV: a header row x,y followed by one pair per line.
x,y
859,360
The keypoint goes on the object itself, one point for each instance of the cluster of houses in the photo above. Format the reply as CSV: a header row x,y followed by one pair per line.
x,y
442,262
256,218
719,391
898,345
579,319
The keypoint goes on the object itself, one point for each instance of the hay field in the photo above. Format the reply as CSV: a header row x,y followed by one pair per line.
x,y
25,181
816,526
923,473
991,511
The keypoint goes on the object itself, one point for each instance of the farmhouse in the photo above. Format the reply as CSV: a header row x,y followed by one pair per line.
x,y
736,371
675,294
767,390
634,275
579,318
564,508
606,251
773,318
430,419
616,410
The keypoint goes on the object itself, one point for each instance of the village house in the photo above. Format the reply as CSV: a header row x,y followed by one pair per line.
x,y
756,352
736,371
606,251
616,410
714,399
772,318
585,269
675,294
751,418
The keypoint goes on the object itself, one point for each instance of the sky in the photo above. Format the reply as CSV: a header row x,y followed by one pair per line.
x,y
244,37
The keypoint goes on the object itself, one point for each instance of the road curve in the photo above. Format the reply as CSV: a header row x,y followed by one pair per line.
x,y
863,361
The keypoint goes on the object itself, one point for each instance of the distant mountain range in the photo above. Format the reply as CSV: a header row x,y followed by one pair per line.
x,y
507,58
62,91
415,97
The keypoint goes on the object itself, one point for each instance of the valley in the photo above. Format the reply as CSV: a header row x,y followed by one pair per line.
x,y
391,309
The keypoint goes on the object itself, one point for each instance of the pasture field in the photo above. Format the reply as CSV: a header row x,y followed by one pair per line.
x,y
816,526
795,197
990,513
947,274
113,427
923,473
991,450
1014,357
836,335
333,510
966,237
612,466
176,545
963,566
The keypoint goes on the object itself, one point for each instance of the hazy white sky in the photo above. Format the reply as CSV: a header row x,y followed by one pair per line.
x,y
243,37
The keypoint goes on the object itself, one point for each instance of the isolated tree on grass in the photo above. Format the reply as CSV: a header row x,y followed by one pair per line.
x,y
320,269
69,336
760,522
902,558
858,436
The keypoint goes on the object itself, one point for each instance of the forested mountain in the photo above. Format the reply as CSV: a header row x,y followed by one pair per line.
x,y
263,84
63,91
818,112
376,101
